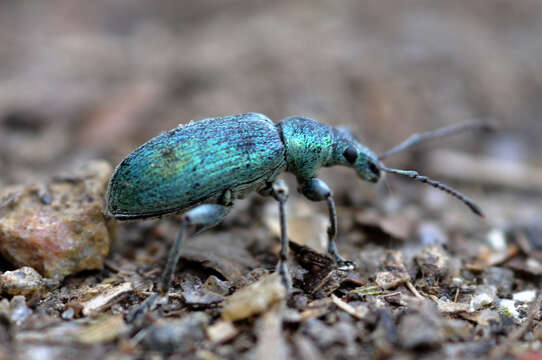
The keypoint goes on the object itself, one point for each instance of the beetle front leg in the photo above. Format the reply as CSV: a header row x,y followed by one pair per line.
x,y
280,193
317,190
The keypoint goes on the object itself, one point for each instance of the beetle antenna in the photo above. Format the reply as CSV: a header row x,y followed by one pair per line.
x,y
414,175
439,133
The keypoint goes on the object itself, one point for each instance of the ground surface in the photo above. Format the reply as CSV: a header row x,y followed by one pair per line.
x,y
82,81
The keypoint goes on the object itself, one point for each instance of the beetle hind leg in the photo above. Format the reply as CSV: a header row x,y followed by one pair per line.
x,y
202,218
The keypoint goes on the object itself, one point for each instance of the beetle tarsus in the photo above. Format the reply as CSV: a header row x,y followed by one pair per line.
x,y
146,306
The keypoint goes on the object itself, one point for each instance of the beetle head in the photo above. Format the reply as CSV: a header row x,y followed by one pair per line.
x,y
348,151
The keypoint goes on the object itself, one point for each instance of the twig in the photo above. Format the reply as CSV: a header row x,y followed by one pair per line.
x,y
413,289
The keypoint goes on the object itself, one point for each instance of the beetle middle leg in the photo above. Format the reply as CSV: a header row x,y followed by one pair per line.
x,y
280,193
317,190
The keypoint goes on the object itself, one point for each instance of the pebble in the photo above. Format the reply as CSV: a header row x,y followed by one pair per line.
x,y
496,238
500,277
254,299
526,296
176,335
417,331
57,227
24,281
485,295
507,307
432,261
221,331
15,310
395,272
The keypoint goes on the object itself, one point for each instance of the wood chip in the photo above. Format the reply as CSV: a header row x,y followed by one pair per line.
x,y
106,298
359,312
221,332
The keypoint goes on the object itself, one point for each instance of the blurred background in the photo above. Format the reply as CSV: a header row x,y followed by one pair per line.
x,y
83,80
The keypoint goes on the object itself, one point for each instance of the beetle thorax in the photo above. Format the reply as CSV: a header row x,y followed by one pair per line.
x,y
308,144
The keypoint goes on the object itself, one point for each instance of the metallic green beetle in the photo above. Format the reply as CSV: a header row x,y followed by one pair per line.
x,y
199,169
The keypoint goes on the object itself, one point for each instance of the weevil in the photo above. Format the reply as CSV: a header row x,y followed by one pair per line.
x,y
200,169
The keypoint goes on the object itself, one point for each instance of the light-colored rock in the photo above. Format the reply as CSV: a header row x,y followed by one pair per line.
x,y
24,281
58,227
254,299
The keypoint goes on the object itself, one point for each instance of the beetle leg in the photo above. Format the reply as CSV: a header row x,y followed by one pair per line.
x,y
317,190
202,217
280,193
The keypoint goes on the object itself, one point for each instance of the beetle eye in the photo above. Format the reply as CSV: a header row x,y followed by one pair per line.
x,y
374,169
350,154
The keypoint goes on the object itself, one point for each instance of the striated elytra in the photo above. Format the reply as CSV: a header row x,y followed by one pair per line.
x,y
200,169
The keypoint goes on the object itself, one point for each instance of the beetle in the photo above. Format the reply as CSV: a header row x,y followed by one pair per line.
x,y
201,168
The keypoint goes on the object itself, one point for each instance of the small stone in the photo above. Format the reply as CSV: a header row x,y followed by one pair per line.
x,y
457,330
176,335
63,235
500,277
526,296
417,331
385,333
24,281
221,331
395,272
15,310
200,297
432,261
217,286
326,336
68,314
485,295
507,308
254,298
496,238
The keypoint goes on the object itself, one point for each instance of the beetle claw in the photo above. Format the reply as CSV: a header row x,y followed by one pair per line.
x,y
345,265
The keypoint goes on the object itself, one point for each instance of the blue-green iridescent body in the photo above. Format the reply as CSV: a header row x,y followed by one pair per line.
x,y
218,160
199,170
